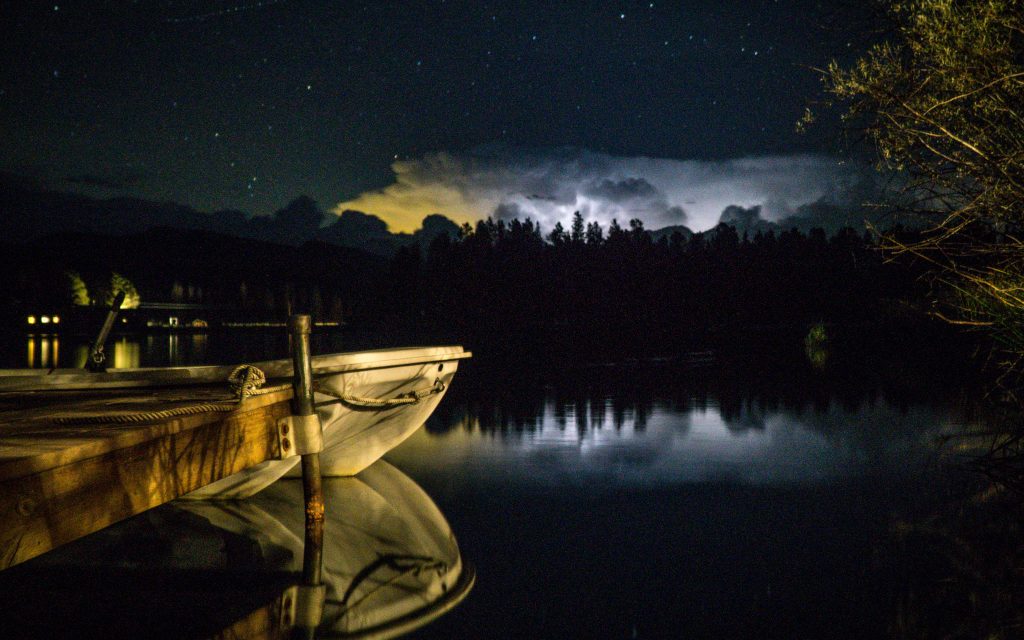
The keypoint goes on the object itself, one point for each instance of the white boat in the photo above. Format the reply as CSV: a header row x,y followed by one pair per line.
x,y
368,402
390,561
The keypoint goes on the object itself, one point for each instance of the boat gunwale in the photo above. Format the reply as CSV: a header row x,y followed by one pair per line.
x,y
43,380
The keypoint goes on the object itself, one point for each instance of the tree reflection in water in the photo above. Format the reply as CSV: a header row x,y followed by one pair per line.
x,y
798,501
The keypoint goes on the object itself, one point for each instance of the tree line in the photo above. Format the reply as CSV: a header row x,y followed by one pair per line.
x,y
594,287
504,284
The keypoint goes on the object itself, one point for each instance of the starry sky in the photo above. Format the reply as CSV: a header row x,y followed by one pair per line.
x,y
664,110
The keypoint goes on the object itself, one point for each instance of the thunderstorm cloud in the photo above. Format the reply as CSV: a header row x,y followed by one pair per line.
x,y
548,186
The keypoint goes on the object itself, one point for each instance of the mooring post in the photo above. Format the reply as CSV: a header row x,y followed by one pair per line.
x,y
302,405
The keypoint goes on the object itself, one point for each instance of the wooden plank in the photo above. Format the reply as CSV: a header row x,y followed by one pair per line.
x,y
51,506
31,442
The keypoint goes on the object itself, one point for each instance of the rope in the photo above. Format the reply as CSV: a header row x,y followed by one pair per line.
x,y
361,402
148,416
245,382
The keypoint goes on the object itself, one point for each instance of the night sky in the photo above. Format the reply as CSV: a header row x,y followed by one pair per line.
x,y
663,110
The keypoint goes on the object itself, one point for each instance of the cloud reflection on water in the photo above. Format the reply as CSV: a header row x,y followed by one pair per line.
x,y
665,444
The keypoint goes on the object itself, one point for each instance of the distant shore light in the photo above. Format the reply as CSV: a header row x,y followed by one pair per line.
x,y
55,319
44,319
31,319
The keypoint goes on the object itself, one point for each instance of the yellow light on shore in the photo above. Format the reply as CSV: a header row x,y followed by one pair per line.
x,y
44,319
31,320
55,319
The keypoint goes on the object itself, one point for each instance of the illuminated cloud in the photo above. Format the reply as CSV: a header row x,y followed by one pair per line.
x,y
548,186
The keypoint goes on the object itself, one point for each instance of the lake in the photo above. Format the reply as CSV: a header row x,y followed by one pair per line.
x,y
730,499
751,493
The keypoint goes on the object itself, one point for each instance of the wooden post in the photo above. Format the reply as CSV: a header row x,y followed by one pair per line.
x,y
302,405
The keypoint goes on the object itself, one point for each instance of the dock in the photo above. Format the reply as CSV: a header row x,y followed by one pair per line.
x,y
74,462
83,450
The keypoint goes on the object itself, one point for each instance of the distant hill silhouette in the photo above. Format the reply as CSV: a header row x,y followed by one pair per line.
x,y
830,218
29,211
667,232
256,278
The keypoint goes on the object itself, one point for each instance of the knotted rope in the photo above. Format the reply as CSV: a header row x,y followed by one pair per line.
x,y
246,381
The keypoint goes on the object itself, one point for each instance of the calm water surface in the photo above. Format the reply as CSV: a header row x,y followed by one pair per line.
x,y
750,497
632,502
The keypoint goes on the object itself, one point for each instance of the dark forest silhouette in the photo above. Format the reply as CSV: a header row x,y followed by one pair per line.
x,y
599,290
505,284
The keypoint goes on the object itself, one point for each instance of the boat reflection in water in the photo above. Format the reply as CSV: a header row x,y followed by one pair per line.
x,y
390,560
390,564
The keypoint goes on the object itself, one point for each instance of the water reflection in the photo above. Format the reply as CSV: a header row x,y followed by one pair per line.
x,y
389,555
687,428
390,560
754,499
126,353
43,351
174,349
184,348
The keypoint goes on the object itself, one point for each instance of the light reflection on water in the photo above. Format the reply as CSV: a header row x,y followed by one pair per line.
x,y
69,350
45,351
710,502
605,445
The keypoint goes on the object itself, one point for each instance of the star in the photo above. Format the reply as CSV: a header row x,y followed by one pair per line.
x,y
363,66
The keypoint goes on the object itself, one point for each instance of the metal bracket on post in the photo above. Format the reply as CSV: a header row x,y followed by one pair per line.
x,y
299,435
303,606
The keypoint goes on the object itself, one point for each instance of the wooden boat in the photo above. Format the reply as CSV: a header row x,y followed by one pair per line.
x,y
390,564
368,402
